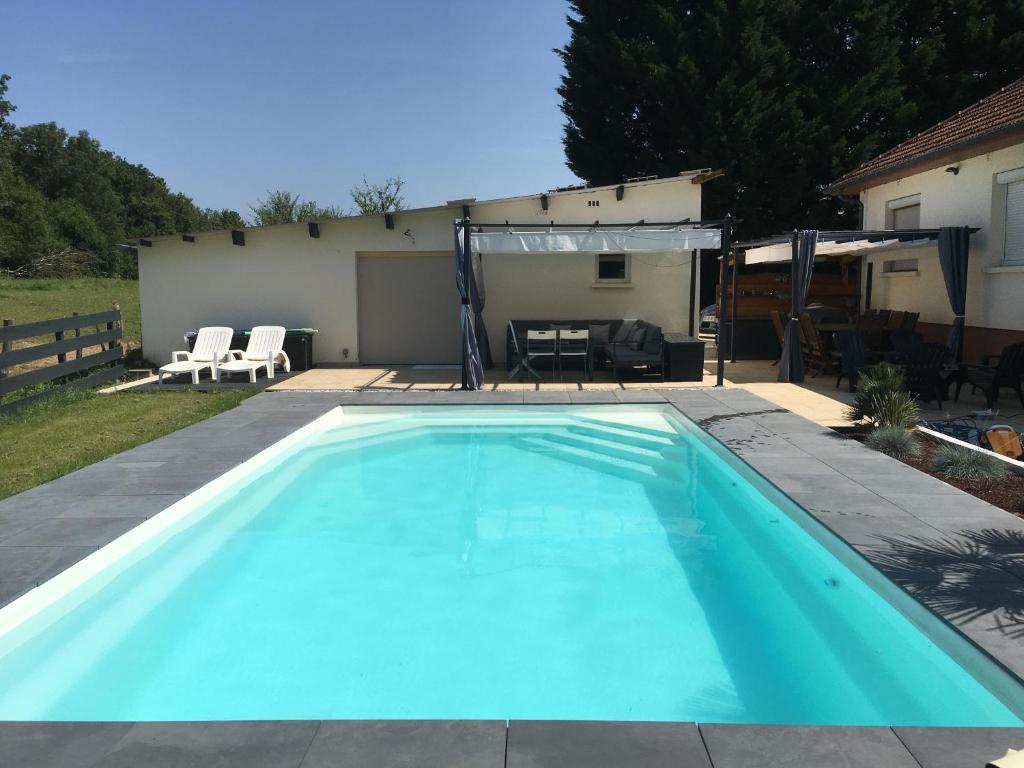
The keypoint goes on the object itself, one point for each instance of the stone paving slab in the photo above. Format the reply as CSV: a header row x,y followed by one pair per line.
x,y
58,745
556,744
263,744
959,747
403,743
23,568
781,746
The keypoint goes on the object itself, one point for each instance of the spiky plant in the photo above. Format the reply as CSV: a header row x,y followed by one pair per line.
x,y
958,463
898,442
882,400
895,409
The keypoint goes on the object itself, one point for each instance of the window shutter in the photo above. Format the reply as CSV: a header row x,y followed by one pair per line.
x,y
908,217
1014,222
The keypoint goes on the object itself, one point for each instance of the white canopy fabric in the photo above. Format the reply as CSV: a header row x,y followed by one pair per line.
x,y
596,241
784,251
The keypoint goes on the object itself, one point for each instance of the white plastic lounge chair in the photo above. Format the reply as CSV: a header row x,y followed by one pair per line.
x,y
212,344
263,351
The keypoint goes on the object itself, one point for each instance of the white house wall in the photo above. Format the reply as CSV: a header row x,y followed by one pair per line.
x,y
969,197
283,276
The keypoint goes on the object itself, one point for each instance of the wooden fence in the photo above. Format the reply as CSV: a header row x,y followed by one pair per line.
x,y
73,367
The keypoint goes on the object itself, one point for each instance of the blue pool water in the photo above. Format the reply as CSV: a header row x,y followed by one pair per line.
x,y
592,563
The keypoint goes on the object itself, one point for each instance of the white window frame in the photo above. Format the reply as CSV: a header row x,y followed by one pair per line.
x,y
1003,181
627,262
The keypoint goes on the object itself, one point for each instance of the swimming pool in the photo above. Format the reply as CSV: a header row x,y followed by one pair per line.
x,y
586,562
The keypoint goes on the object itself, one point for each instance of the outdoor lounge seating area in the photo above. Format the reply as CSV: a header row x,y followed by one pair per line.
x,y
538,347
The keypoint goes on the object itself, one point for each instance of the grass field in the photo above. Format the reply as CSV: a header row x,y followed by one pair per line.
x,y
26,301
73,430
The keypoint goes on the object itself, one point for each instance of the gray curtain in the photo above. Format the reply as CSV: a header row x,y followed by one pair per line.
x,y
477,299
791,364
954,245
472,368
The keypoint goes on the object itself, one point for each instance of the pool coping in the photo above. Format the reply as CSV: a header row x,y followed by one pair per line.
x,y
893,515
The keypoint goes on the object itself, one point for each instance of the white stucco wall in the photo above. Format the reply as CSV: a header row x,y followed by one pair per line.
x,y
282,276
995,295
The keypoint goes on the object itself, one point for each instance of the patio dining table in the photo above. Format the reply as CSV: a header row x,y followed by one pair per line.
x,y
522,365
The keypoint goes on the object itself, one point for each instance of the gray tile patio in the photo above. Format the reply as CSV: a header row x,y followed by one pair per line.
x,y
760,746
401,743
909,524
959,747
554,744
261,744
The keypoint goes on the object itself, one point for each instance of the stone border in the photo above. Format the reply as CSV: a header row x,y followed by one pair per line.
x,y
909,524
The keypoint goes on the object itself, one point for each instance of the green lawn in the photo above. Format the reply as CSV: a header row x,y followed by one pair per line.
x,y
75,429
25,301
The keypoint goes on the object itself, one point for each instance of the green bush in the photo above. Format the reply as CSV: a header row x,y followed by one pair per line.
x,y
895,409
964,464
882,400
898,442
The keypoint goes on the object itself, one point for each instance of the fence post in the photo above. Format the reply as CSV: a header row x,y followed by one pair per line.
x,y
110,326
5,347
62,357
78,332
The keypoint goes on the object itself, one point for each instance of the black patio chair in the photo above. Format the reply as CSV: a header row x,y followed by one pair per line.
x,y
850,349
924,371
646,350
903,343
1007,372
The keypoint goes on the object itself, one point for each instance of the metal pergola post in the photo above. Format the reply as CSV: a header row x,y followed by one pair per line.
x,y
694,261
732,315
967,273
723,300
467,265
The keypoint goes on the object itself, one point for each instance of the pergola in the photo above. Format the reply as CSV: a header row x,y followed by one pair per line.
x,y
473,240
800,248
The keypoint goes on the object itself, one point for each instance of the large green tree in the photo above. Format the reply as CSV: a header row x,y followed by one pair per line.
x,y
785,96
66,203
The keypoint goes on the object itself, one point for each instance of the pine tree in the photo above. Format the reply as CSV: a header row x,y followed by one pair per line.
x,y
785,96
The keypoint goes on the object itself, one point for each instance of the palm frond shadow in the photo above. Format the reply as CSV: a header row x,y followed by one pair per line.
x,y
963,577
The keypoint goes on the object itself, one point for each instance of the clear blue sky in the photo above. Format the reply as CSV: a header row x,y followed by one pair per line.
x,y
226,100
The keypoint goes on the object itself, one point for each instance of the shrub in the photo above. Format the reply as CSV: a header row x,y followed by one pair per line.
x,y
964,464
895,409
897,442
882,400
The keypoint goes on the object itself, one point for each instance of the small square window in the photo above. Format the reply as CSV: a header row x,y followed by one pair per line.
x,y
613,268
900,265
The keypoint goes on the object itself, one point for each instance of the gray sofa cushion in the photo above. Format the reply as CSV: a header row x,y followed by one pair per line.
x,y
653,340
600,333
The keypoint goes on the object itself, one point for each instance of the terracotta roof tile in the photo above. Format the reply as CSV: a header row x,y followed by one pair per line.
x,y
994,114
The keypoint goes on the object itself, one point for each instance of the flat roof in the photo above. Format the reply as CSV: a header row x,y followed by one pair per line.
x,y
695,176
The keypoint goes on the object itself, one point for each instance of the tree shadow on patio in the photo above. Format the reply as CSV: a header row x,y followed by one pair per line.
x,y
964,577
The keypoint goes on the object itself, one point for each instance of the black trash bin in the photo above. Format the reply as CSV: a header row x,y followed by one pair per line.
x,y
684,357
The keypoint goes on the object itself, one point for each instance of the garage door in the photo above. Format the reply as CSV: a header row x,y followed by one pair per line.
x,y
408,308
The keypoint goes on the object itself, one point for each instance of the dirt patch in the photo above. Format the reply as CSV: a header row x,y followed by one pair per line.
x,y
1006,493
